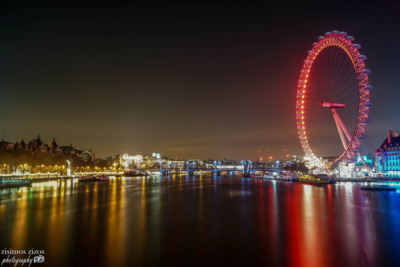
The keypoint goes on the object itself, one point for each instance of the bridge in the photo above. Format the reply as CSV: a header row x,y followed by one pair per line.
x,y
217,172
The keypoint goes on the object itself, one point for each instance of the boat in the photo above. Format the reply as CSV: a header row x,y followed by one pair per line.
x,y
102,178
87,179
135,173
316,179
283,176
268,176
378,188
8,183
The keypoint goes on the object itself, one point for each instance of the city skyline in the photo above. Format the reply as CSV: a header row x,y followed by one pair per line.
x,y
193,81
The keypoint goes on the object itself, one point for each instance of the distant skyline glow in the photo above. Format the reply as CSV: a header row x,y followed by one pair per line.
x,y
187,81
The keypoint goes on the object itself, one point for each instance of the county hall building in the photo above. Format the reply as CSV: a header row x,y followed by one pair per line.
x,y
387,157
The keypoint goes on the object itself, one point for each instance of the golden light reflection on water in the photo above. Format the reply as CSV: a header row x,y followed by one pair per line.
x,y
115,243
20,222
93,211
140,233
56,222
2,212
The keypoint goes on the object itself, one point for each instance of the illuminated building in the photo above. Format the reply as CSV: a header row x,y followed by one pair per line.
x,y
367,159
131,162
388,156
156,155
37,146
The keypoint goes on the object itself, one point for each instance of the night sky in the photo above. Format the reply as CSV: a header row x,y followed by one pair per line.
x,y
186,80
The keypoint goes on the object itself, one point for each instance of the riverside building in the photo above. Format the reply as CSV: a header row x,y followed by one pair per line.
x,y
387,156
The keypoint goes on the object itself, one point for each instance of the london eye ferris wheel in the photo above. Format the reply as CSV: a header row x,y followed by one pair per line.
x,y
333,100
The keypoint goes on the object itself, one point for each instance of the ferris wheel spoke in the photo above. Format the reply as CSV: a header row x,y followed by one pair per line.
x,y
340,130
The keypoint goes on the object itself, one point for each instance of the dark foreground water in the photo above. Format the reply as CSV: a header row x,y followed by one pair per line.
x,y
202,221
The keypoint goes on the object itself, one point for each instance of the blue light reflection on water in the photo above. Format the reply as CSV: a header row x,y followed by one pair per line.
x,y
386,183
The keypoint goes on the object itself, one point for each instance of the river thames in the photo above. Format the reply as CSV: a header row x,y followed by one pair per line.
x,y
201,221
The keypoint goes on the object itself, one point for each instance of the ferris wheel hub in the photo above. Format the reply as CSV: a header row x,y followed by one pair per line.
x,y
330,105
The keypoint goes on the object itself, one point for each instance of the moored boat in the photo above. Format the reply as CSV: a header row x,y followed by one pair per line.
x,y
87,179
102,178
135,173
8,183
316,179
282,176
378,188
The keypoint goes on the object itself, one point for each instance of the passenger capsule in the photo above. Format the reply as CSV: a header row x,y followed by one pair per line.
x,y
368,87
335,32
315,43
357,150
368,104
357,46
328,34
351,38
344,34
367,71
366,121
321,37
362,136
363,57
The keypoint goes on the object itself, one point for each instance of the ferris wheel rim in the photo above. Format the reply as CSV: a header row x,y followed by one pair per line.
x,y
341,40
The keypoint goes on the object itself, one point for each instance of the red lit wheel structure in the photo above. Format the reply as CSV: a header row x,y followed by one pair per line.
x,y
307,106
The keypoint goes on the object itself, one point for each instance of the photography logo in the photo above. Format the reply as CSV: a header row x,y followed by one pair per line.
x,y
38,259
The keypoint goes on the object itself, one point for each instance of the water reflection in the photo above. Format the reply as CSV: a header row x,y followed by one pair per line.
x,y
181,220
